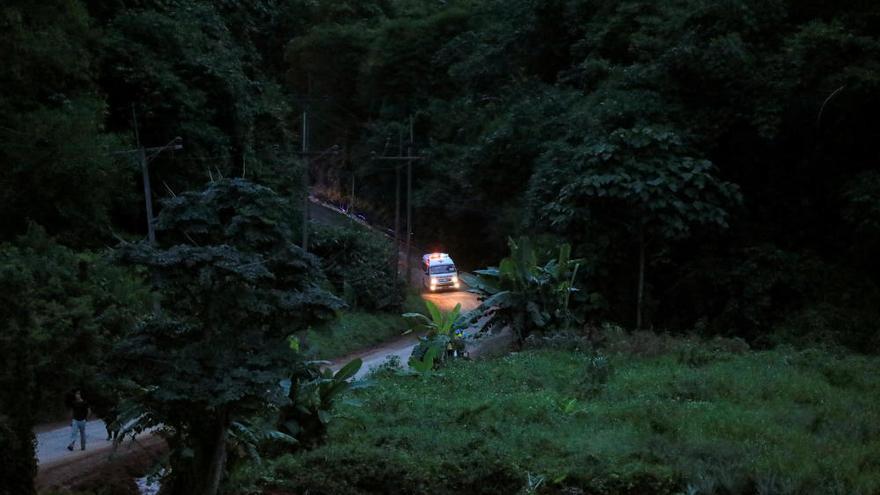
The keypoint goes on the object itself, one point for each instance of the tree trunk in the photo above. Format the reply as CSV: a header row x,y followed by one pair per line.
x,y
217,461
641,289
201,473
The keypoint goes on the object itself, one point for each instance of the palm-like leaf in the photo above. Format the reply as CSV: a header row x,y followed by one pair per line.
x,y
483,283
524,294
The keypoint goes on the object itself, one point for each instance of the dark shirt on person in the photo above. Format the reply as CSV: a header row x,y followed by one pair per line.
x,y
80,410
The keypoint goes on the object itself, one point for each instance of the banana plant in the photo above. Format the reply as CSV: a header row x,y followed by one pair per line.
x,y
424,365
440,322
313,389
523,294
441,335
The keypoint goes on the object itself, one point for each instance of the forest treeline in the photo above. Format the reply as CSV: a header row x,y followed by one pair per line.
x,y
713,164
719,155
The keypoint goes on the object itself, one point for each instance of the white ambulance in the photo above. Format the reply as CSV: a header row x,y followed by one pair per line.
x,y
439,272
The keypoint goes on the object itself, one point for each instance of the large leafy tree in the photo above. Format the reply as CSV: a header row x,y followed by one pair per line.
x,y
233,289
17,386
360,265
642,180
58,171
61,314
524,294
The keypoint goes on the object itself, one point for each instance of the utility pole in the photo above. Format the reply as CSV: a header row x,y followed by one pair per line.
x,y
305,155
409,158
144,161
351,198
409,154
397,220
346,160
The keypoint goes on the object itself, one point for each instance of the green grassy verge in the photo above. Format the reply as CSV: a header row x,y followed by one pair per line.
x,y
564,422
356,330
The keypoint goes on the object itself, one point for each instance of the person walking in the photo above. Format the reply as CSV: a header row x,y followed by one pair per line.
x,y
80,416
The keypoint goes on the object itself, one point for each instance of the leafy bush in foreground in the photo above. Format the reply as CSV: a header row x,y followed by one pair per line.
x,y
741,422
523,294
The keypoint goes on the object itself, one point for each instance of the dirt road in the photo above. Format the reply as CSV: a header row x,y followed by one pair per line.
x,y
60,467
402,346
99,463
52,444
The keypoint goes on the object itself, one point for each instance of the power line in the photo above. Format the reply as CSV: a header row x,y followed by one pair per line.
x,y
409,159
144,160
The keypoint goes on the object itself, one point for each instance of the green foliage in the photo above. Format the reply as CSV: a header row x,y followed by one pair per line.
x,y
596,374
440,322
190,71
740,421
862,196
53,142
71,308
233,288
620,127
61,312
360,262
352,331
524,294
443,336
643,173
768,296
313,390
425,363
19,466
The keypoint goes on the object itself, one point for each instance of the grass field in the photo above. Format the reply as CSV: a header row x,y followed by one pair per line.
x,y
690,420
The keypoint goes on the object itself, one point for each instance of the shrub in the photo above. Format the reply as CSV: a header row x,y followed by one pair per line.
x,y
523,294
597,372
564,341
71,307
360,265
17,464
770,296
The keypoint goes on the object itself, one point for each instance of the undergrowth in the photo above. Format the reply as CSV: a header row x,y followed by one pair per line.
x,y
355,330
695,418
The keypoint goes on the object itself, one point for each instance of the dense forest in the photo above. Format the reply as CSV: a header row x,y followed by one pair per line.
x,y
695,167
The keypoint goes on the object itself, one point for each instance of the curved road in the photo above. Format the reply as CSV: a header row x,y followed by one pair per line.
x,y
402,347
52,444
52,453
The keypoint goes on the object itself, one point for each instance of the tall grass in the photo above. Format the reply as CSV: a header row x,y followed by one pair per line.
x,y
748,422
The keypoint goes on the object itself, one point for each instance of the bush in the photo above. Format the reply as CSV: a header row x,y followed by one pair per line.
x,y
17,464
564,341
359,264
598,371
770,296
72,308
